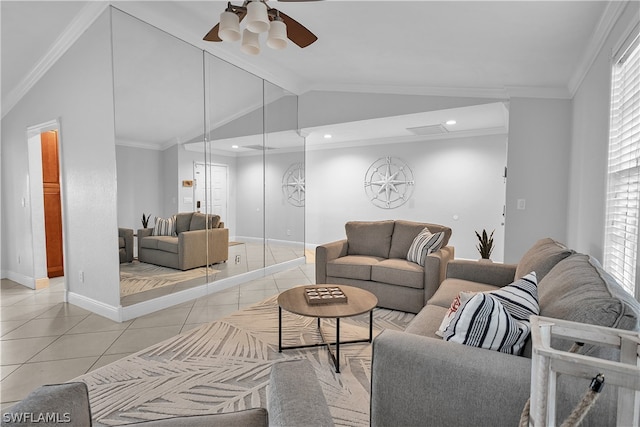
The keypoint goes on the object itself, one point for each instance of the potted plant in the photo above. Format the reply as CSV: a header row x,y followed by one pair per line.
x,y
145,220
485,245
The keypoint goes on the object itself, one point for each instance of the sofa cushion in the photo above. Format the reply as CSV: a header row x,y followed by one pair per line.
x,y
398,272
405,231
579,290
485,323
199,221
183,221
369,238
68,403
150,242
168,244
450,288
427,321
165,226
423,244
352,267
541,258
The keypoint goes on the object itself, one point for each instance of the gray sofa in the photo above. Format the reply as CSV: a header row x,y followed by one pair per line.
x,y
125,244
200,240
289,394
420,379
374,257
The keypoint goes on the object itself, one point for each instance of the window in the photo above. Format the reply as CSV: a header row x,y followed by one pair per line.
x,y
622,230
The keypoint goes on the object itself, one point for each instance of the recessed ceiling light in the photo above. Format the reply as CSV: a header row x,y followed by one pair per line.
x,y
450,122
327,136
234,146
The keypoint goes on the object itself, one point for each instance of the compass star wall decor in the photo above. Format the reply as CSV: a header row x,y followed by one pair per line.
x,y
293,184
389,182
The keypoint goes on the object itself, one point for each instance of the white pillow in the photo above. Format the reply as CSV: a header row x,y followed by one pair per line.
x,y
165,227
423,244
520,298
485,323
459,300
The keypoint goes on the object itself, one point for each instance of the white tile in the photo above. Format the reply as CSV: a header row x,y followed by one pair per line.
x,y
19,351
78,345
46,327
133,340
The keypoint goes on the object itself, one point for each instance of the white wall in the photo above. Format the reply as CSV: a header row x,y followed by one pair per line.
x,y
589,144
538,163
139,172
78,91
454,178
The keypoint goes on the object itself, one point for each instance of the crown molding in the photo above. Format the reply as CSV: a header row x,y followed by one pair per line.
x,y
611,14
83,20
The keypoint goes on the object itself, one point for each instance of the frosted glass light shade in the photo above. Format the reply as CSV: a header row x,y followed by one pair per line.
x,y
257,19
250,42
229,29
277,35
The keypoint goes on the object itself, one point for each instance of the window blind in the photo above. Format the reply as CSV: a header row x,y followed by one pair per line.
x,y
622,230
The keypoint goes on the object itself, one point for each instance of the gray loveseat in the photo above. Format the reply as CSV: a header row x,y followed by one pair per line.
x,y
125,244
195,243
374,257
420,379
289,394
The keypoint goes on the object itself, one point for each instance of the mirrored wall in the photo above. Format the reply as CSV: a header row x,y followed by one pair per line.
x,y
212,147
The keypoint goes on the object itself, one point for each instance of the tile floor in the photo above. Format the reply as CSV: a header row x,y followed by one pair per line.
x,y
44,340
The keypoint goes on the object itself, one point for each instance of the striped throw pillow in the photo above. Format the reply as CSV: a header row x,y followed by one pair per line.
x,y
485,323
520,298
165,227
423,244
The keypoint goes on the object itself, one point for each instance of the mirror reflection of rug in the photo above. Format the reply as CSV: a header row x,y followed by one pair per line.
x,y
138,277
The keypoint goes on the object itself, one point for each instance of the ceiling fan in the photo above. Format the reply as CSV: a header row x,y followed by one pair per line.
x,y
260,18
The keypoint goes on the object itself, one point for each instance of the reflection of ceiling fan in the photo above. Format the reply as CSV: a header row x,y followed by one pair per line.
x,y
260,18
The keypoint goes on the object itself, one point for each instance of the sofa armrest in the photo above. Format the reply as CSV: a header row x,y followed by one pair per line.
x,y
435,269
127,235
326,253
418,380
143,232
491,273
192,247
295,397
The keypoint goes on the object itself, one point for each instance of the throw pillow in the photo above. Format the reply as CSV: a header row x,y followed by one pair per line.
x,y
459,300
165,227
423,245
520,298
485,323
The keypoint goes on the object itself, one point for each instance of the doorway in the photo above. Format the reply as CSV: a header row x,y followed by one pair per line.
x,y
214,178
44,147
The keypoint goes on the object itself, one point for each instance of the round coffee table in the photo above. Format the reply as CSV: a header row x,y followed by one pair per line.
x,y
358,302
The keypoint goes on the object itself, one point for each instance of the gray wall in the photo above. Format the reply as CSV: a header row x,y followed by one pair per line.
x,y
589,144
78,91
458,183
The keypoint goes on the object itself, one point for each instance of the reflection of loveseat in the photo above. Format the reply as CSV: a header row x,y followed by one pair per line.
x,y
374,256
419,378
191,243
125,244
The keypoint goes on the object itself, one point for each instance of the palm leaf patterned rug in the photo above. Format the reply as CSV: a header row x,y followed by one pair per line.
x,y
136,277
224,366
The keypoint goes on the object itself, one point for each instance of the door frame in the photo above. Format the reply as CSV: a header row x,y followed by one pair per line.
x,y
226,206
36,201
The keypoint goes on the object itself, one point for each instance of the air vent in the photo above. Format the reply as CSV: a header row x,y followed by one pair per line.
x,y
257,147
428,130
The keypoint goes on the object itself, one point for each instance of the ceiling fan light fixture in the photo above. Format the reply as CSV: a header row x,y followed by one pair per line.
x,y
250,42
257,17
277,38
229,27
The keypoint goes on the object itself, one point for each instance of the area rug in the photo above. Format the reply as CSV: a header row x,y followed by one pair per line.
x,y
136,277
224,366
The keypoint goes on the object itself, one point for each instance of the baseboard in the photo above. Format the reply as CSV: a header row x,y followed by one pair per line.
x,y
160,303
27,281
105,310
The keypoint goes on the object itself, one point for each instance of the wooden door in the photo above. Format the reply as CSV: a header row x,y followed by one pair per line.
x,y
52,203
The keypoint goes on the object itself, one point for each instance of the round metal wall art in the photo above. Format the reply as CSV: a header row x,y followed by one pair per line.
x,y
293,185
389,182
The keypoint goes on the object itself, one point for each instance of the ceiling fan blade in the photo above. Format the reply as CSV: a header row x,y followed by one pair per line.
x,y
296,32
212,35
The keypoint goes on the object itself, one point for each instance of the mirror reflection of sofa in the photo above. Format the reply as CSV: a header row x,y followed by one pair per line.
x,y
186,240
125,244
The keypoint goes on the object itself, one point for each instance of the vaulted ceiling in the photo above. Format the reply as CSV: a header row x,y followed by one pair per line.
x,y
485,48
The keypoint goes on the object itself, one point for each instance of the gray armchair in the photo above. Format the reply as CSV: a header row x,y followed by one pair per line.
x,y
125,244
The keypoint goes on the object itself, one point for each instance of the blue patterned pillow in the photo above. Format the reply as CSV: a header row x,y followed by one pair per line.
x,y
423,244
